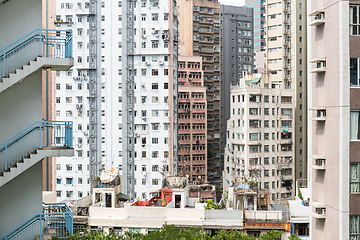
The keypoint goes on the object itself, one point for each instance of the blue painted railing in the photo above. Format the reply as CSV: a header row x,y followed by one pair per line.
x,y
42,134
56,220
38,43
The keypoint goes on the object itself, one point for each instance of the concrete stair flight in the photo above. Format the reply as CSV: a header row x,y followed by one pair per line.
x,y
20,74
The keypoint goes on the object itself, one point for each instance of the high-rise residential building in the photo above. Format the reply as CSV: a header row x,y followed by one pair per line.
x,y
260,137
333,145
136,89
237,54
259,23
192,119
285,60
199,32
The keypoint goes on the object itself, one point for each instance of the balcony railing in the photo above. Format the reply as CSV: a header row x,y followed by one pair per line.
x,y
56,221
38,43
43,134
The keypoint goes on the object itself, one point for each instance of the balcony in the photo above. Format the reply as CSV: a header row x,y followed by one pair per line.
x,y
319,162
319,18
55,221
42,48
41,139
320,114
320,65
319,210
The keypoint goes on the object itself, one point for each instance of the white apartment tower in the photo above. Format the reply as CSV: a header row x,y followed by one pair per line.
x,y
142,151
285,59
260,135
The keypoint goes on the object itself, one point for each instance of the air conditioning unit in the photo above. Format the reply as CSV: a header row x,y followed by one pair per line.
x,y
86,133
161,62
74,78
157,35
80,145
137,135
147,63
143,36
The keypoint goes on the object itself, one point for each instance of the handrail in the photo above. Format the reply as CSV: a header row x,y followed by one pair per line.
x,y
41,134
40,42
56,224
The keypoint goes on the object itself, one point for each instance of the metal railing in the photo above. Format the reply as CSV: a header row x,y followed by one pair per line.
x,y
56,220
41,134
38,43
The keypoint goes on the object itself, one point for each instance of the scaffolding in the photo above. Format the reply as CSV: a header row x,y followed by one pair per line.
x,y
94,91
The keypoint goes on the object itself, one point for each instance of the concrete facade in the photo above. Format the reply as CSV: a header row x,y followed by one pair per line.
x,y
199,32
237,54
333,41
22,104
260,137
154,67
192,119
259,22
286,61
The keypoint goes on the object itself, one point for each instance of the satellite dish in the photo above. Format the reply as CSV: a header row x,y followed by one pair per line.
x,y
108,175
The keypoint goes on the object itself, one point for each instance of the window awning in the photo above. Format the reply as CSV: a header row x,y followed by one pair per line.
x,y
123,196
255,80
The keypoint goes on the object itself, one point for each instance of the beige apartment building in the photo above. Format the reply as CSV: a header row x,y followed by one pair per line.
x,y
285,59
333,145
199,32
260,136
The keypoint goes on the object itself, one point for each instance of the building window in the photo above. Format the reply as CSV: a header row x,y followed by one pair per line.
x,y
155,182
69,194
155,44
68,167
58,193
354,72
354,125
155,17
155,168
354,227
154,72
354,20
69,180
354,178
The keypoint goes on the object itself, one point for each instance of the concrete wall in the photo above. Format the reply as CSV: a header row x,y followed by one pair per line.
x,y
20,199
49,196
26,99
18,18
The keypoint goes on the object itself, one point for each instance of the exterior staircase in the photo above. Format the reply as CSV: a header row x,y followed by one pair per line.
x,y
40,49
56,221
41,139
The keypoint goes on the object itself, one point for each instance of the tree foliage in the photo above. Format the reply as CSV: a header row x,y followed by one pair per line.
x,y
170,232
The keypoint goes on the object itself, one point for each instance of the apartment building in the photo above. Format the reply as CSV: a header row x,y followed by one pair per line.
x,y
237,54
192,119
260,137
199,29
137,131
285,59
333,40
259,22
